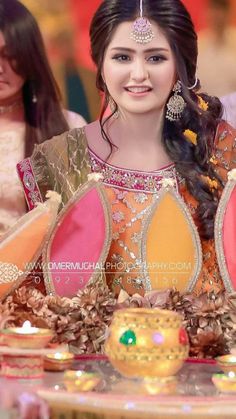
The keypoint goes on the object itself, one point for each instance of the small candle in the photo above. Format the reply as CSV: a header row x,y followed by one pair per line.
x,y
59,355
60,361
27,329
81,380
27,337
226,383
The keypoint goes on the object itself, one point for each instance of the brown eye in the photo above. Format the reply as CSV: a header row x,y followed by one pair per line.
x,y
157,58
121,57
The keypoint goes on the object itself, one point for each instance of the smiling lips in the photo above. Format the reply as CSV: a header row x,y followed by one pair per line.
x,y
138,89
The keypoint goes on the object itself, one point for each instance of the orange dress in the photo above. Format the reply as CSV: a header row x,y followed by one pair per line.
x,y
63,163
132,193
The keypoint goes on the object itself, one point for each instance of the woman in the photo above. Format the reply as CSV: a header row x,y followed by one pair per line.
x,y
30,107
160,128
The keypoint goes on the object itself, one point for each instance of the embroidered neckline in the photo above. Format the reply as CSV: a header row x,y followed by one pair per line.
x,y
133,180
159,171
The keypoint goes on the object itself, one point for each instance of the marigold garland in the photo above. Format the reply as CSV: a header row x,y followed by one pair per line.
x,y
190,135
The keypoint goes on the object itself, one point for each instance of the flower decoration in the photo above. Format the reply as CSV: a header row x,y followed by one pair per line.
x,y
83,321
212,183
168,182
202,104
213,160
95,176
54,196
191,136
232,174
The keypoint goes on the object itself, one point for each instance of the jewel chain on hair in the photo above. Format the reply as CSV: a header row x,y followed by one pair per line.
x,y
142,32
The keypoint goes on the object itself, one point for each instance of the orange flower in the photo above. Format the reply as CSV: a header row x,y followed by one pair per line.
x,y
202,104
213,160
212,183
191,136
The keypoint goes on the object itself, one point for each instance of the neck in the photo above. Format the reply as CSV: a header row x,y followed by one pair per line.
x,y
11,110
141,130
10,101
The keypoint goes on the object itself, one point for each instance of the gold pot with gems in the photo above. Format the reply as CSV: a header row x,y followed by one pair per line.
x,y
146,343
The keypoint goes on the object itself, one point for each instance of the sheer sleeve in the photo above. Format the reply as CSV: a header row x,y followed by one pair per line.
x,y
60,164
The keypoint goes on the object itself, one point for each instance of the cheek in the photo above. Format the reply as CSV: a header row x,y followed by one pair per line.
x,y
15,79
167,78
113,76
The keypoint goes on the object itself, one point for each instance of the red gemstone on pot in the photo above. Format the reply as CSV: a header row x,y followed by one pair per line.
x,y
183,337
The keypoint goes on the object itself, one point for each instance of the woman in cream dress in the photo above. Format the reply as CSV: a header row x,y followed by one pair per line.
x,y
30,108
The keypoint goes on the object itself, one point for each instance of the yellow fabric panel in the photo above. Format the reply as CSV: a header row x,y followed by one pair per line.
x,y
170,246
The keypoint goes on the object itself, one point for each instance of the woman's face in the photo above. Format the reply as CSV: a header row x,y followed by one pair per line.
x,y
11,83
139,77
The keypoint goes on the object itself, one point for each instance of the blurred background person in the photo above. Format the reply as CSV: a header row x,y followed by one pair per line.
x,y
60,23
30,104
217,50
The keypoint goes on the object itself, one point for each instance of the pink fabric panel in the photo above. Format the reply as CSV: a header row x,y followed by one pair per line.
x,y
229,237
78,242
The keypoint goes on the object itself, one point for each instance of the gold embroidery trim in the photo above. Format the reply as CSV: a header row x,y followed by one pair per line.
x,y
9,272
196,239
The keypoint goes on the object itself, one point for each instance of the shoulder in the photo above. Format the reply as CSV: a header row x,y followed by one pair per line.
x,y
73,119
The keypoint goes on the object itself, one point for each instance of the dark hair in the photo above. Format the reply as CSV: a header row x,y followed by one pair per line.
x,y
25,48
191,161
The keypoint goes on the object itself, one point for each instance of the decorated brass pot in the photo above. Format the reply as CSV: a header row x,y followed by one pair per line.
x,y
147,342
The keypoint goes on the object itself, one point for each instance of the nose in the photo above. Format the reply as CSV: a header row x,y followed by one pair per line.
x,y
139,71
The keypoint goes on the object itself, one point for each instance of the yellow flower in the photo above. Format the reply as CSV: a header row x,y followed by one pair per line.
x,y
202,104
212,183
191,136
213,160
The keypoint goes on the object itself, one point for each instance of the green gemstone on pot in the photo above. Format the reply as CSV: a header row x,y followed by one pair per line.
x,y
128,338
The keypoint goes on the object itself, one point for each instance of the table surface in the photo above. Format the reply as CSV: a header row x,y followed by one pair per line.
x,y
116,396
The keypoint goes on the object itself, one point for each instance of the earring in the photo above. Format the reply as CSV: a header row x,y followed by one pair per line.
x,y
34,98
175,104
113,107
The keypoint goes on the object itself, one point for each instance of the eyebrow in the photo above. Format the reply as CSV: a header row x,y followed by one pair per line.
x,y
146,50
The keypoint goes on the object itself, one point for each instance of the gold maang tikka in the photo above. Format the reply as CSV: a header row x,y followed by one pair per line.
x,y
142,32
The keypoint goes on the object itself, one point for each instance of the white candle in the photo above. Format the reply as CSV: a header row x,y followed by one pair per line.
x,y
58,355
27,329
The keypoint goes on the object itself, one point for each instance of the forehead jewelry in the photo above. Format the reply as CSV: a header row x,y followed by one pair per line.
x,y
142,32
